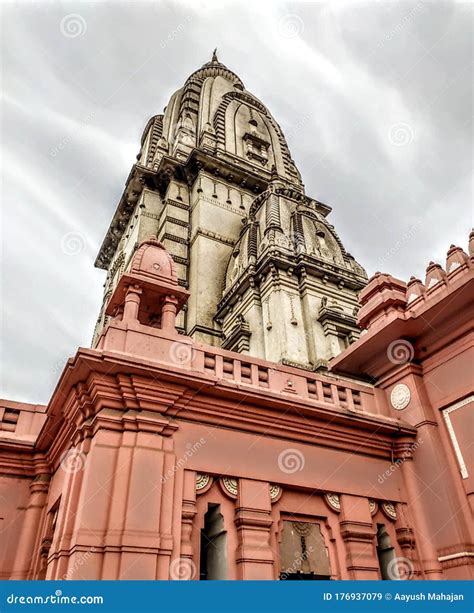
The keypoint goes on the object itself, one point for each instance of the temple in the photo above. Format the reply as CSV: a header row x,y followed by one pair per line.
x,y
252,406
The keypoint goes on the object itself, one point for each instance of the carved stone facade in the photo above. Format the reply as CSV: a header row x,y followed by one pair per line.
x,y
162,457
215,182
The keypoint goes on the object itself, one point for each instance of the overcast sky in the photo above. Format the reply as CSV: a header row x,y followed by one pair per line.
x,y
375,100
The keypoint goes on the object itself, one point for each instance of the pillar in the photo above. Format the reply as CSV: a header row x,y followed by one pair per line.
x,y
406,539
132,303
253,520
168,314
358,533
188,512
430,565
26,553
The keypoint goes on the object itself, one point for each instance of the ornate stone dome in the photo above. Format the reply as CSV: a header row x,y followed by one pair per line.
x,y
214,112
215,68
152,261
284,222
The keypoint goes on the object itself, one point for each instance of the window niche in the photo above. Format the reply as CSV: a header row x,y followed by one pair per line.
x,y
303,552
47,540
386,554
256,148
213,564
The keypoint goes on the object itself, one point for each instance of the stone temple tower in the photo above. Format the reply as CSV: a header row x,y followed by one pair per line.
x,y
215,182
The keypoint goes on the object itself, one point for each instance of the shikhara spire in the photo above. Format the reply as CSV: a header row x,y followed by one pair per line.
x,y
215,180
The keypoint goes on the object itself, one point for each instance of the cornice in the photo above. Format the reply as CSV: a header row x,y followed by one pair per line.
x,y
109,390
306,264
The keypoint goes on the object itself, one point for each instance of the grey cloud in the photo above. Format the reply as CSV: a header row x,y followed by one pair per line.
x,y
337,77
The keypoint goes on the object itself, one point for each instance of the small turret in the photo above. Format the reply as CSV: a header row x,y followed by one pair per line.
x,y
434,275
456,258
415,289
383,296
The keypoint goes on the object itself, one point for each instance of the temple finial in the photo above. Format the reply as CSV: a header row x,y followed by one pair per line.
x,y
214,55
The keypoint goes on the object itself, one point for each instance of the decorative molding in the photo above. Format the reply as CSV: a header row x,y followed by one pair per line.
x,y
230,486
239,337
333,501
455,556
452,435
177,204
302,528
212,235
178,222
400,396
216,202
459,404
150,215
454,266
275,492
389,509
202,481
372,506
174,238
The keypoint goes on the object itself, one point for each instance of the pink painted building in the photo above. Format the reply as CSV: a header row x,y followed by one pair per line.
x,y
231,420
